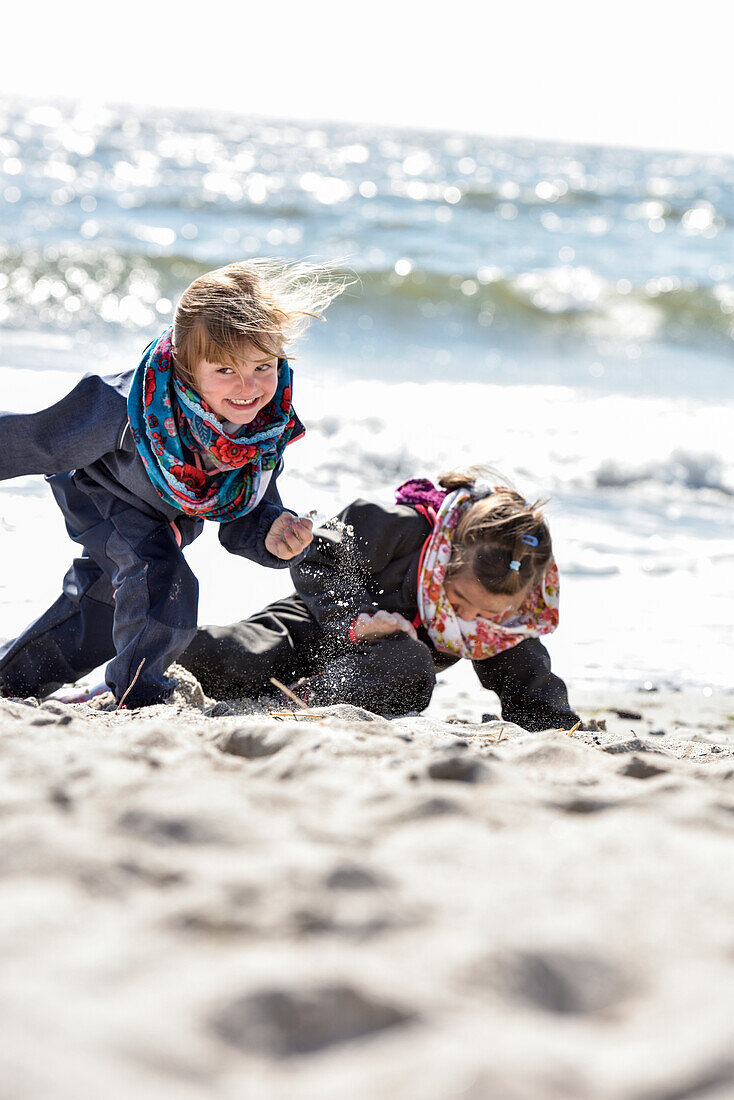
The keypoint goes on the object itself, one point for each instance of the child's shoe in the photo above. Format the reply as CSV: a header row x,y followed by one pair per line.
x,y
79,695
28,701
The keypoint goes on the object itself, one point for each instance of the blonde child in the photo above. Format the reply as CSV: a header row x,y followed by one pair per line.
x,y
137,461
386,597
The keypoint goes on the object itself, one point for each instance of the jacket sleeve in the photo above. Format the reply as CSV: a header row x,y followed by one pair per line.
x,y
69,435
246,536
529,693
339,573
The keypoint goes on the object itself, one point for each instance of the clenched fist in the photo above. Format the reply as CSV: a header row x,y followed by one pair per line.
x,y
288,536
370,628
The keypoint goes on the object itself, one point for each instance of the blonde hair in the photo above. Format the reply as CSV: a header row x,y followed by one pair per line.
x,y
266,303
495,530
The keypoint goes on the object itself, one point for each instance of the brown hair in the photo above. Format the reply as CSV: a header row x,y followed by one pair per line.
x,y
490,535
267,303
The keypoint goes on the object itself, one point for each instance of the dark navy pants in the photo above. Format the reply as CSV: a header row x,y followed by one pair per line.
x,y
131,595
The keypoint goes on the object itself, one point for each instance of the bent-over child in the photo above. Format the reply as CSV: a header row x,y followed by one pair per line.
x,y
137,461
386,597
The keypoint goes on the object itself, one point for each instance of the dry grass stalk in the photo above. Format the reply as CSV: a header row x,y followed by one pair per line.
x,y
298,716
130,686
484,737
287,691
570,733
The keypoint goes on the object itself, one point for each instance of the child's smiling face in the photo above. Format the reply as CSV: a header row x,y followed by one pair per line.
x,y
238,393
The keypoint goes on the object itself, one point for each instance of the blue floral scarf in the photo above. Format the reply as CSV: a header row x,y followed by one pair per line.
x,y
172,426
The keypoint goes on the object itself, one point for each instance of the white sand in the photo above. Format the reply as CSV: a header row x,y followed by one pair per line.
x,y
353,908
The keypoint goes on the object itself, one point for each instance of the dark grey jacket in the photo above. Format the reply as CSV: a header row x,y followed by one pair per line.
x,y
369,561
88,430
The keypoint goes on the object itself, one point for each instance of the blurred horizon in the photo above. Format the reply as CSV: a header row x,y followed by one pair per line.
x,y
638,82
91,104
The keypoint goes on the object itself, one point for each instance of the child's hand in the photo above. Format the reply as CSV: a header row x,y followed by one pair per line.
x,y
370,628
288,536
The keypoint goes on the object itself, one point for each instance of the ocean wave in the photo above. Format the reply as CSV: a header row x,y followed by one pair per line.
x,y
696,470
72,285
577,568
566,296
692,213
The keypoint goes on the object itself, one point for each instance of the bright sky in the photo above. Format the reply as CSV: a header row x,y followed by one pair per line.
x,y
630,72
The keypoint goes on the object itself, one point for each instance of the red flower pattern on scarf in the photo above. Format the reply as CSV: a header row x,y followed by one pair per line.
x,y
482,638
149,389
189,476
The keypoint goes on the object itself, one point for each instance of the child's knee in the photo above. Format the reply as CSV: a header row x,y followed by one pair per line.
x,y
393,676
402,654
409,666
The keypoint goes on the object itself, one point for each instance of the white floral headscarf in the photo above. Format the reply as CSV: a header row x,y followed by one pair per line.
x,y
480,638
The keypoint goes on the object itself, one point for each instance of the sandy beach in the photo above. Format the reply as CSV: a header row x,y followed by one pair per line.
x,y
233,905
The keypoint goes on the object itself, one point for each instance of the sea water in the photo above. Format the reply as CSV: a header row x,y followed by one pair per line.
x,y
565,313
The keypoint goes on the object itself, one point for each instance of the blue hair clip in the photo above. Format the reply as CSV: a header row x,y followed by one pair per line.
x,y
530,540
515,565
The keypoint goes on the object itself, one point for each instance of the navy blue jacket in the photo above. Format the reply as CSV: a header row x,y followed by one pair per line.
x,y
88,431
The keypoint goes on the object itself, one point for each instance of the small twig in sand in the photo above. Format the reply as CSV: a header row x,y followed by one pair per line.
x,y
569,733
287,691
298,715
500,735
130,686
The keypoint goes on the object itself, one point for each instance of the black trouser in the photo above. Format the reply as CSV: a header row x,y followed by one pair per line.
x,y
131,595
393,676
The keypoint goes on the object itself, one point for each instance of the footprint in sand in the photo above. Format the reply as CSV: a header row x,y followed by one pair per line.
x,y
286,1022
352,876
253,742
638,768
563,982
458,767
164,829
